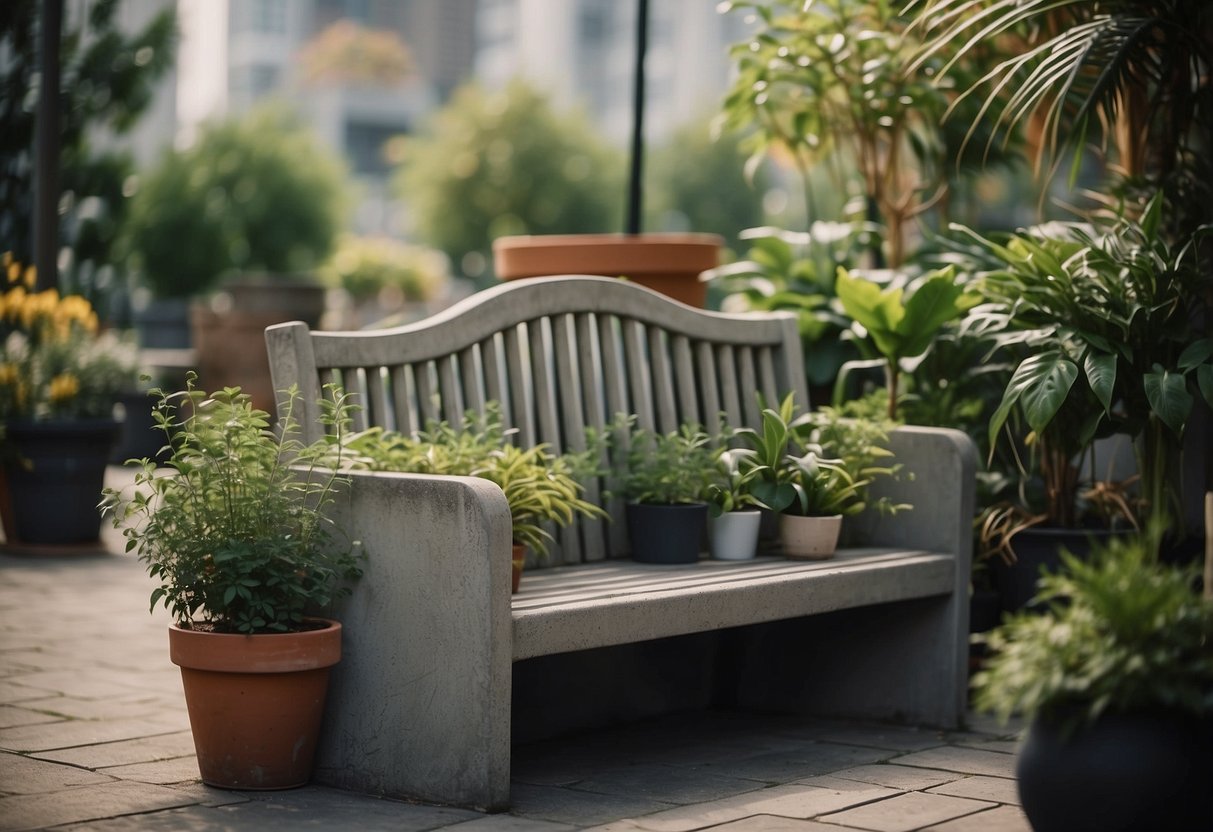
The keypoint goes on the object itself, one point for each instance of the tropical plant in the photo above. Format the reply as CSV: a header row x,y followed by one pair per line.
x,y
236,529
1135,73
258,194
53,362
1106,317
736,474
493,164
903,319
669,468
829,82
1122,634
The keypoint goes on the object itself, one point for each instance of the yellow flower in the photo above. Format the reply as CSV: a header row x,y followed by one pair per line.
x,y
31,277
63,388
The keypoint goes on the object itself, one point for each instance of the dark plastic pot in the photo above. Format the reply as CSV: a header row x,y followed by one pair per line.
x,y
666,533
1037,549
1125,772
55,483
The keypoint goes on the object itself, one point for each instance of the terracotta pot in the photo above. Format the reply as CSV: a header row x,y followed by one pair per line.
x,y
666,263
255,702
517,561
809,538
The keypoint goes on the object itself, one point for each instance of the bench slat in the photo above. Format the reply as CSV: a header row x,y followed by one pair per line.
x,y
662,381
726,366
515,361
705,362
684,377
634,348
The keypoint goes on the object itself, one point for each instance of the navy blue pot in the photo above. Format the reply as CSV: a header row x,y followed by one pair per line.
x,y
1125,772
666,533
56,478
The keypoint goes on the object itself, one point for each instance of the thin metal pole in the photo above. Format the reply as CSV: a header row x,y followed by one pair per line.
x,y
636,172
46,134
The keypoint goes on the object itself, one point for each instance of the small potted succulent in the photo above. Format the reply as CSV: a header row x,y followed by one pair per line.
x,y
733,511
1116,680
665,485
236,533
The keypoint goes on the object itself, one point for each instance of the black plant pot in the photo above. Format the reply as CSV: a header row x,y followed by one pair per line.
x,y
55,482
1125,772
1036,549
666,533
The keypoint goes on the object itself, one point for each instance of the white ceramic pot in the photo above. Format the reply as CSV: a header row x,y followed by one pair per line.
x,y
734,534
809,538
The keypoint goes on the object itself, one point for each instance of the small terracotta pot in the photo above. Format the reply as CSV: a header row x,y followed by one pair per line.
x,y
255,702
809,538
666,263
517,561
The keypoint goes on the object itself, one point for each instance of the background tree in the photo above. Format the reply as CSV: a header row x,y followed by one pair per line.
x,y
108,80
255,194
491,164
697,183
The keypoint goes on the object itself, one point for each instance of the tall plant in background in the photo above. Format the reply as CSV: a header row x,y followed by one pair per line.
x,y
107,82
1133,74
831,82
492,164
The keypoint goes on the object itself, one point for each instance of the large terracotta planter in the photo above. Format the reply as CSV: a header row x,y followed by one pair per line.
x,y
666,263
255,702
809,538
55,480
229,331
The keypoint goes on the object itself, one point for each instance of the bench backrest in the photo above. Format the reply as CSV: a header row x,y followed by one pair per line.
x,y
558,354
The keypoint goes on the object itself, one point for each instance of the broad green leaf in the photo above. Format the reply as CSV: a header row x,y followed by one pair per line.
x,y
1043,381
1196,353
878,311
1101,375
935,301
1169,398
1204,379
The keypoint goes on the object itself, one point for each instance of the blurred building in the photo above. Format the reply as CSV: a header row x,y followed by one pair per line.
x,y
583,53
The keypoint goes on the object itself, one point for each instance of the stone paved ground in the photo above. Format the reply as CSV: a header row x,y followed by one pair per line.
x,y
94,735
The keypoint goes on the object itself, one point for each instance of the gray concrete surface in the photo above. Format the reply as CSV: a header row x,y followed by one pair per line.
x,y
94,735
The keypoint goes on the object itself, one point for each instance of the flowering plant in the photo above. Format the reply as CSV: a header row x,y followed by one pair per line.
x,y
53,362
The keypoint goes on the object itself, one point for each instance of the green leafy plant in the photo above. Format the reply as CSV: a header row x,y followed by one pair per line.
x,y
902,320
259,194
669,468
1122,633
370,267
236,530
737,473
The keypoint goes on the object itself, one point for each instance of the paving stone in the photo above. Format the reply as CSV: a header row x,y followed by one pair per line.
x,y
891,737
1002,819
577,807
998,789
666,784
25,775
988,724
206,795
78,732
89,684
770,823
904,778
11,716
808,760
125,752
906,812
12,693
963,760
794,801
85,803
69,707
1002,746
508,823
161,772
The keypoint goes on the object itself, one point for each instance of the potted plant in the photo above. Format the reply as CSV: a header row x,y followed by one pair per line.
x,y
541,488
244,554
58,382
733,511
1116,679
812,471
665,483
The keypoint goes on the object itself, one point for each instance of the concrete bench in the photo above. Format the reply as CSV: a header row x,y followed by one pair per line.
x,y
443,667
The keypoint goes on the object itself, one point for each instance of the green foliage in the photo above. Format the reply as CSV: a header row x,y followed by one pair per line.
x,y
258,194
365,266
902,321
1122,633
698,183
736,474
239,541
796,271
494,164
107,78
540,487
669,468
1106,320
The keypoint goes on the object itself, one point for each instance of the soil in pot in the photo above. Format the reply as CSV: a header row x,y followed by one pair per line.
x,y
666,533
809,538
255,702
